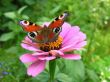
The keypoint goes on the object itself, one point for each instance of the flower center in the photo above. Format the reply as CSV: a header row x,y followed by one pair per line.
x,y
51,45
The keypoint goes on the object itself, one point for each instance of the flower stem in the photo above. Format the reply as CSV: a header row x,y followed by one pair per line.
x,y
52,66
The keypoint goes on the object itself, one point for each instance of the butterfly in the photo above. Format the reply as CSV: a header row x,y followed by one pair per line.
x,y
44,34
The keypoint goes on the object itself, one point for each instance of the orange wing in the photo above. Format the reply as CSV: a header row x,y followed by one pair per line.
x,y
58,22
32,28
29,26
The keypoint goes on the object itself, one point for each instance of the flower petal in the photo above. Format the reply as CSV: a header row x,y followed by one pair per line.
x,y
78,46
82,36
36,68
29,45
56,52
66,49
75,38
46,57
28,58
27,39
42,53
72,36
71,56
65,28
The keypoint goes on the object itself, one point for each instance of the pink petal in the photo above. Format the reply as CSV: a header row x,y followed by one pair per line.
x,y
65,28
27,39
71,56
66,49
70,33
46,57
28,58
80,45
73,35
56,52
82,36
73,47
42,53
29,45
36,68
77,37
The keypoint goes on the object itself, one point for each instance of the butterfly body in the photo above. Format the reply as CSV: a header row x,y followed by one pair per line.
x,y
44,34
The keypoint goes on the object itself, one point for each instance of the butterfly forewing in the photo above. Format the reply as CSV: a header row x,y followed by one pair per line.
x,y
29,26
58,22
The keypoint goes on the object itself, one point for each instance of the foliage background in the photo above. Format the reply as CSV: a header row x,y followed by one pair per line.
x,y
93,17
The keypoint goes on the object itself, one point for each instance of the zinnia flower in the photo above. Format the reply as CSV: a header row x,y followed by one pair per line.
x,y
70,39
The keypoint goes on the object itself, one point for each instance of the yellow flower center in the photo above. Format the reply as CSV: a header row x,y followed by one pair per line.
x,y
51,45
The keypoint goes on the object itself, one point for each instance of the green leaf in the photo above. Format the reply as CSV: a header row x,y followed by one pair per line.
x,y
30,2
43,77
7,36
25,17
63,78
74,69
11,15
12,49
56,9
21,9
92,75
14,27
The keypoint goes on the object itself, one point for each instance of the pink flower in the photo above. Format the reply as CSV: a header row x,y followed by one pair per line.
x,y
73,39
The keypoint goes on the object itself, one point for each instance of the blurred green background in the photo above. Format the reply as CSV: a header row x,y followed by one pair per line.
x,y
93,17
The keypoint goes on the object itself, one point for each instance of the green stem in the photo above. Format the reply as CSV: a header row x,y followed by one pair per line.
x,y
52,66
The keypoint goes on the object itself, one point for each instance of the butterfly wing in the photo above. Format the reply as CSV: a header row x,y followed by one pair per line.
x,y
29,26
58,22
46,34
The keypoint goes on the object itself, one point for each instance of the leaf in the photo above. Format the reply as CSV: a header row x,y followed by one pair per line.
x,y
25,17
10,15
30,2
43,77
21,9
7,36
8,79
12,49
14,27
56,9
74,69
92,75
63,78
